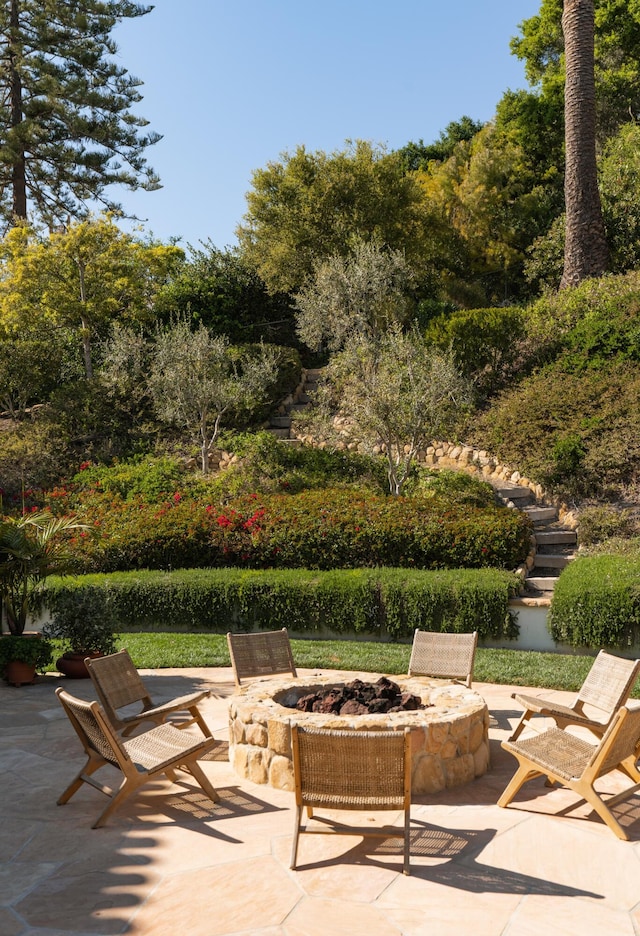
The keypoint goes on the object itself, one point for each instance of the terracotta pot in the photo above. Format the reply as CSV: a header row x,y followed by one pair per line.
x,y
18,673
73,665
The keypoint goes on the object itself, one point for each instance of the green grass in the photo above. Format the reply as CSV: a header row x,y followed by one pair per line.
x,y
504,667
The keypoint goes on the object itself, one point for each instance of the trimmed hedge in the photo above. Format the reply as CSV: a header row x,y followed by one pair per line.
x,y
386,603
596,603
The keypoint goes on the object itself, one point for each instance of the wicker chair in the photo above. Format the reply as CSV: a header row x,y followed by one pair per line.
x,y
607,687
446,656
118,684
161,750
264,653
575,763
355,770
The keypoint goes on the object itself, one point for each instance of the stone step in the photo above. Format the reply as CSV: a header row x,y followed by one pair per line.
x,y
297,407
304,397
280,422
551,560
515,493
540,583
541,514
278,433
556,538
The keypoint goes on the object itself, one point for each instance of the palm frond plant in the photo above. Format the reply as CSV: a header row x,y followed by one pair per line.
x,y
32,547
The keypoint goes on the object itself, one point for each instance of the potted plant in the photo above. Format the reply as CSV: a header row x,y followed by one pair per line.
x,y
32,548
24,655
84,634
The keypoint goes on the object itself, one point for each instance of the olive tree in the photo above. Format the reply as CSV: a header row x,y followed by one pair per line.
x,y
197,378
360,294
400,393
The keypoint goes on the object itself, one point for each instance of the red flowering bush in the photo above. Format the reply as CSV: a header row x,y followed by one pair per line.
x,y
318,529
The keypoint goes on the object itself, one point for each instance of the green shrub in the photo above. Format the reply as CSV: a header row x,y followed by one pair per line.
x,y
596,603
151,479
25,648
267,465
387,603
602,522
600,407
485,342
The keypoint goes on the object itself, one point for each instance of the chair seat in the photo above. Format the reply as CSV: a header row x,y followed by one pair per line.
x,y
556,750
169,707
160,746
546,707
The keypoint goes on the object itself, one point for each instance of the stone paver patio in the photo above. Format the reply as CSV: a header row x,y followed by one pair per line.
x,y
170,862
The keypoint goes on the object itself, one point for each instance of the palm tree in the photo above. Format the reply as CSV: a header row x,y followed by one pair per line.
x,y
32,547
585,253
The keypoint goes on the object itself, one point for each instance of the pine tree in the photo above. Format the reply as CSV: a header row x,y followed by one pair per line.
x,y
67,131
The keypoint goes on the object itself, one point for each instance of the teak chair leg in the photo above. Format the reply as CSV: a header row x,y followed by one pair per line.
x,y
518,780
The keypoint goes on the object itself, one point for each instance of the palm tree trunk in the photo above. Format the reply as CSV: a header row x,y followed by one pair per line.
x,y
586,253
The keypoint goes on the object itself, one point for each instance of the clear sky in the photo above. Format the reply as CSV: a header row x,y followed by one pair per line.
x,y
232,84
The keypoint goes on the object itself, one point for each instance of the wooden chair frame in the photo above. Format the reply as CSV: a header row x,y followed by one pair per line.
x,y
575,763
606,687
353,770
119,684
162,750
443,656
263,653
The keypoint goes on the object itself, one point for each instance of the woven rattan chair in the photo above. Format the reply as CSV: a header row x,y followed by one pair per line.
x,y
119,684
607,687
264,653
445,656
575,763
161,750
355,770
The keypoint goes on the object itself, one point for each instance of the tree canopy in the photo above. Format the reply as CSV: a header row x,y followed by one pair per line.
x,y
81,279
67,128
310,206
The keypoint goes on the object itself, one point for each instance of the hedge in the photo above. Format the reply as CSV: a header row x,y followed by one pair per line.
x,y
596,603
386,603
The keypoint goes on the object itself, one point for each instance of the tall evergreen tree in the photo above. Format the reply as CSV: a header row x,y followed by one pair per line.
x,y
67,131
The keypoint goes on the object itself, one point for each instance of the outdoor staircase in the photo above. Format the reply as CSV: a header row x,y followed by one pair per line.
x,y
280,423
555,544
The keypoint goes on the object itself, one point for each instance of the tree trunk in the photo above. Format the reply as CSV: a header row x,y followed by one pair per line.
x,y
18,173
586,253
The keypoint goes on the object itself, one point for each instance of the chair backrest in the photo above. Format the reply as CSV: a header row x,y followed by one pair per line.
x,y
620,740
445,656
93,729
117,682
342,769
609,682
264,653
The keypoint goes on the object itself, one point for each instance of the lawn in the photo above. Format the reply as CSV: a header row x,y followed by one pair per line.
x,y
505,667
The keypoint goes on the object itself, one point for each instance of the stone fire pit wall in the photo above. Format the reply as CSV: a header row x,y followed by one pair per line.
x,y
449,739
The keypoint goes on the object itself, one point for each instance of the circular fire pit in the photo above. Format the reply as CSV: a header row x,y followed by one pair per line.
x,y
449,736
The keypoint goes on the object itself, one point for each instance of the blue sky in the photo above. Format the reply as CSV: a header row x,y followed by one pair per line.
x,y
232,84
